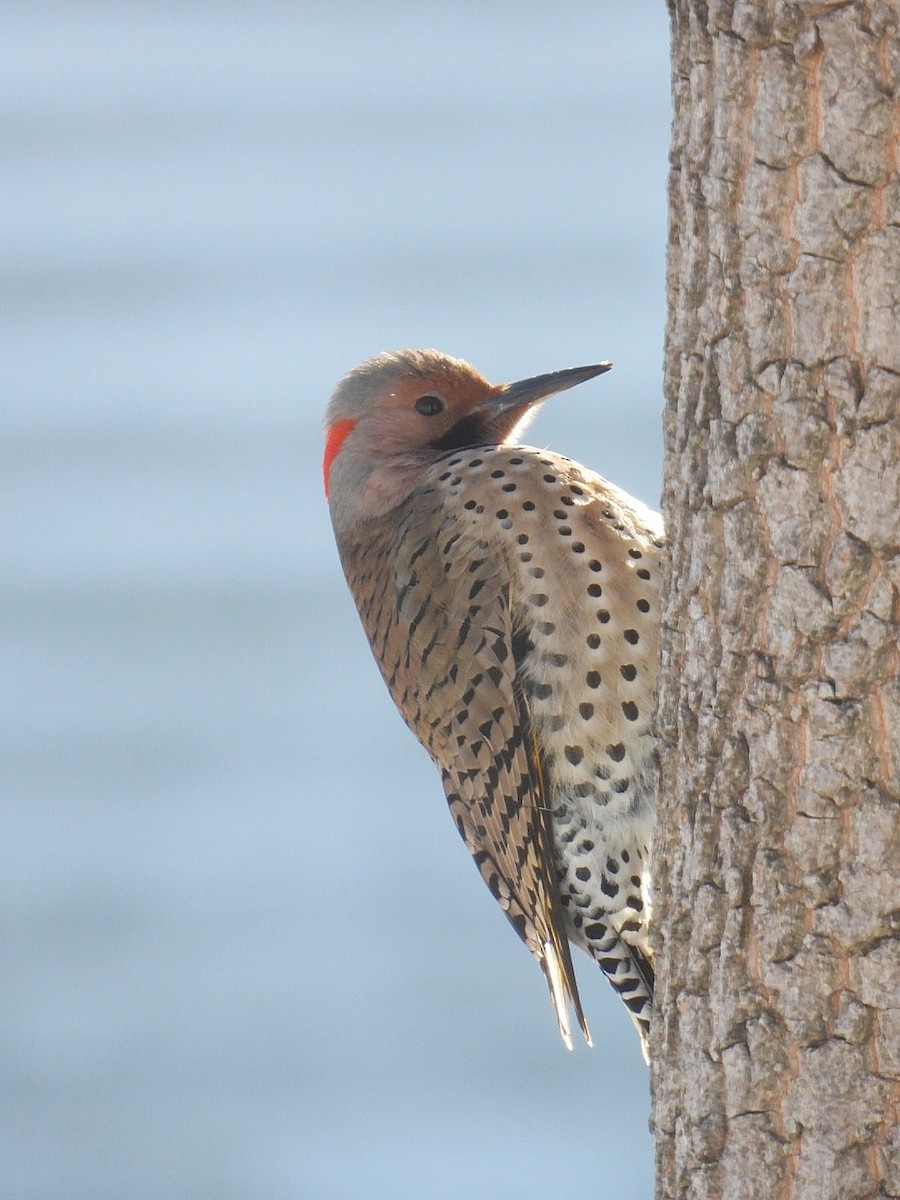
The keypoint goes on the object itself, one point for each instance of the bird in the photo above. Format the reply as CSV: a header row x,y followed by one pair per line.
x,y
510,599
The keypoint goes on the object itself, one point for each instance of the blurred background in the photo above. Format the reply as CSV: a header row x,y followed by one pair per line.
x,y
245,953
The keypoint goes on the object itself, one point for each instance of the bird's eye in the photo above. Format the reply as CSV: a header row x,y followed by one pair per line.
x,y
429,406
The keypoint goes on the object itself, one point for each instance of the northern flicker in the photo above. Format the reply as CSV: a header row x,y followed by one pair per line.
x,y
510,599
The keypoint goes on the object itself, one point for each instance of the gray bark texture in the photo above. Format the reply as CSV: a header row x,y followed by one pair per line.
x,y
776,1051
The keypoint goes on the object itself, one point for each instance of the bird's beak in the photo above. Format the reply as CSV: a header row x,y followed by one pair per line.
x,y
507,408
525,392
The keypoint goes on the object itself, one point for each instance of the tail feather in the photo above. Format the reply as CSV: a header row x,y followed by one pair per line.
x,y
631,973
563,991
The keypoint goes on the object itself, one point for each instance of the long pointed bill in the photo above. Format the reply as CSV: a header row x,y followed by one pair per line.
x,y
507,408
528,391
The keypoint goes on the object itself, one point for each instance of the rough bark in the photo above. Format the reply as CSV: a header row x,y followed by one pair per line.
x,y
776,1056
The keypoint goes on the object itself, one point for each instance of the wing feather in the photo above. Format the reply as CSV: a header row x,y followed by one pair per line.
x,y
458,685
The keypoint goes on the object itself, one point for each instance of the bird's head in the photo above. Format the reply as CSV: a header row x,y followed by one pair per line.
x,y
392,416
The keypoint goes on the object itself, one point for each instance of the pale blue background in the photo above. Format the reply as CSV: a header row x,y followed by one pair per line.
x,y
244,953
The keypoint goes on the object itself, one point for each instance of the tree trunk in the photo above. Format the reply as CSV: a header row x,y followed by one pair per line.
x,y
776,1054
